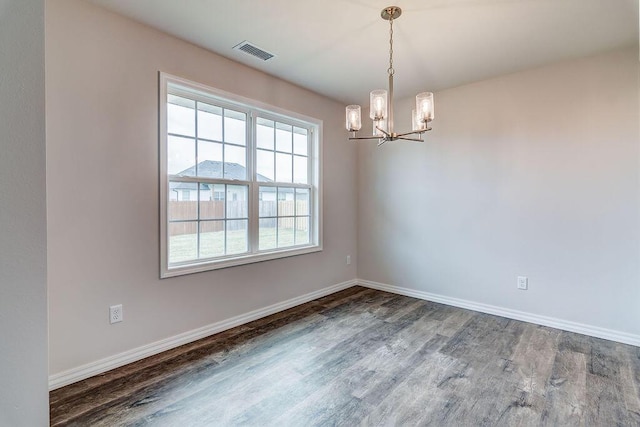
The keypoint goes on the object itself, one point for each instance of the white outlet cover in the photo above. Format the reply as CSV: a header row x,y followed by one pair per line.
x,y
115,314
523,283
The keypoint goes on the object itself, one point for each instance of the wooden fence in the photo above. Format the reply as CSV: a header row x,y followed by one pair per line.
x,y
215,209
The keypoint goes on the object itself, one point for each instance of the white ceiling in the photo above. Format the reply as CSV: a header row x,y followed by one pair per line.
x,y
339,48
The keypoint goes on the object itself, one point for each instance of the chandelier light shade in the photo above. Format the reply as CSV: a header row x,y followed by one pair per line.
x,y
424,106
381,104
354,118
378,128
378,104
416,123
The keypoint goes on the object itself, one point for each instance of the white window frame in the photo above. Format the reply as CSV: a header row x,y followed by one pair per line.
x,y
253,108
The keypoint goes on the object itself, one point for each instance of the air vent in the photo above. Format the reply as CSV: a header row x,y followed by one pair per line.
x,y
253,50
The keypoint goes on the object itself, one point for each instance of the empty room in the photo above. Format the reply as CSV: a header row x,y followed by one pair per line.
x,y
306,213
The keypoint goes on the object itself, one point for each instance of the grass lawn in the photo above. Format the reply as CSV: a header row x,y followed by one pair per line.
x,y
184,247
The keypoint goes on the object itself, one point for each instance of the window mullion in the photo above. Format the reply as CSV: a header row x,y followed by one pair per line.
x,y
225,220
177,178
195,111
198,237
254,202
293,156
275,146
295,215
224,146
309,156
277,217
312,186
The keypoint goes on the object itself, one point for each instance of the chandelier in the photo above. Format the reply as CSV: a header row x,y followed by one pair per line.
x,y
381,104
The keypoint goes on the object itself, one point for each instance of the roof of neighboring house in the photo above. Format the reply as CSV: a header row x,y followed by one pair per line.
x,y
211,168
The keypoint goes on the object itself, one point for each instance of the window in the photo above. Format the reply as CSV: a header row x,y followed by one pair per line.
x,y
240,180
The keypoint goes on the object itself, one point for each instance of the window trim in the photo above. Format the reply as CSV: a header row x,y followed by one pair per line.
x,y
225,99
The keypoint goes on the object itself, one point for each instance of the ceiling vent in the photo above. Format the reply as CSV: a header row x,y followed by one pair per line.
x,y
253,50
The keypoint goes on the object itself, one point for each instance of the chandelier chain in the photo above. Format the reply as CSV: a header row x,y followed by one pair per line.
x,y
391,71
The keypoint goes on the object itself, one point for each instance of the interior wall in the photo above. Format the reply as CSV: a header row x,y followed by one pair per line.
x,y
531,174
24,398
102,177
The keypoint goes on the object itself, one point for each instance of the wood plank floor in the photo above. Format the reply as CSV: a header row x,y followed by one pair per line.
x,y
366,357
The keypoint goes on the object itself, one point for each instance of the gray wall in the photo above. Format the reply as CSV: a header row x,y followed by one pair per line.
x,y
23,288
535,174
102,178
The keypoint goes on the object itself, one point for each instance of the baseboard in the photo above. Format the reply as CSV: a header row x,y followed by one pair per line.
x,y
100,366
552,322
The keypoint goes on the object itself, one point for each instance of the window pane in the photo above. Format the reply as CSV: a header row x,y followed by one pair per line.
x,y
183,200
181,156
209,121
302,230
265,166
264,133
285,232
267,234
209,159
212,201
286,204
235,130
237,236
211,239
283,167
237,201
268,205
181,116
283,137
183,241
300,141
302,201
300,170
235,162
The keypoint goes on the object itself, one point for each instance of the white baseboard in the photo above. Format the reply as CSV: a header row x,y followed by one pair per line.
x,y
103,365
552,322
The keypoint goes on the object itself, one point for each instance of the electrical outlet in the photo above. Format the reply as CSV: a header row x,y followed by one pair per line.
x,y
348,259
523,283
115,313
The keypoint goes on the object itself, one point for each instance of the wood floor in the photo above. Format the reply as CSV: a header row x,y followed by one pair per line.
x,y
366,357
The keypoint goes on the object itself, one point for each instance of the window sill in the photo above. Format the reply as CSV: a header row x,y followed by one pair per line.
x,y
197,267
